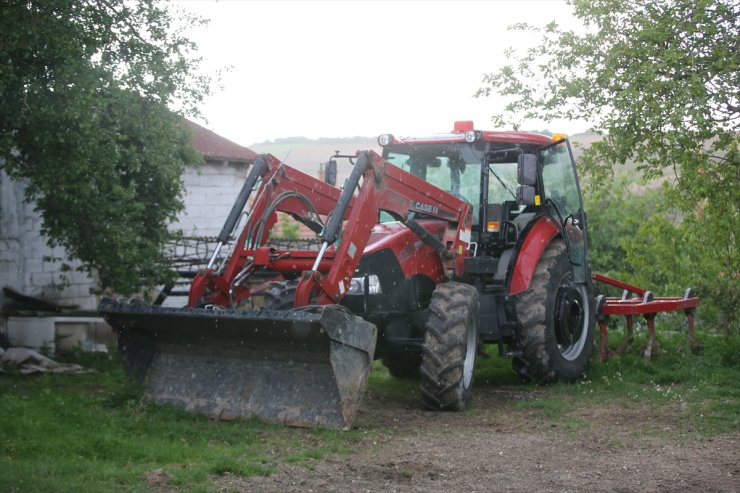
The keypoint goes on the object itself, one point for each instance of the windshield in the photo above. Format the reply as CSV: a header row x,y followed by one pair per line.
x,y
559,179
456,168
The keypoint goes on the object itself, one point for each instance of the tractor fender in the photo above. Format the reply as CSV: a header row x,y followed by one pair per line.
x,y
537,236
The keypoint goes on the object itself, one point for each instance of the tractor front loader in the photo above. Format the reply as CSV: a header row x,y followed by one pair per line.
x,y
265,334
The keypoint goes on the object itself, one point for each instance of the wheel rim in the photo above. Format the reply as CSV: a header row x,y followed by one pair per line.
x,y
471,343
571,320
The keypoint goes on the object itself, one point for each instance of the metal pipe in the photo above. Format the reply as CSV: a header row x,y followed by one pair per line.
x,y
425,235
219,245
320,256
241,200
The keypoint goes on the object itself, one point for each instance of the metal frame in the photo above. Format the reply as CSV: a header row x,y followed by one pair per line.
x,y
636,301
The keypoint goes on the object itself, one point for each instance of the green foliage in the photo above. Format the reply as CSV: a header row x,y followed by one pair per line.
x,y
660,82
657,78
85,122
637,236
729,351
615,214
288,227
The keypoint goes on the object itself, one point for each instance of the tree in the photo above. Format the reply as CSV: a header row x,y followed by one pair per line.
x,y
86,91
660,81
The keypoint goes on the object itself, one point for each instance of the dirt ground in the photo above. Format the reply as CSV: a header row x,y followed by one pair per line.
x,y
500,446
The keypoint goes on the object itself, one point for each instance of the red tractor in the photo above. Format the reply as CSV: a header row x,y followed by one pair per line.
x,y
442,243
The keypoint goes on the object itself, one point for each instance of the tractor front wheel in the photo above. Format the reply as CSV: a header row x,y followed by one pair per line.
x,y
449,348
556,318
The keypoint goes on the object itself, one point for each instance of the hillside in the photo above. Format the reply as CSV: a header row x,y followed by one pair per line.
x,y
306,154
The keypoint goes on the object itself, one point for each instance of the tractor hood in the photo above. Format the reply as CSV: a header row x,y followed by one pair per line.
x,y
407,248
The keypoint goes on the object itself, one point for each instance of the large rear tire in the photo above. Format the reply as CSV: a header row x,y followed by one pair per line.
x,y
450,346
556,319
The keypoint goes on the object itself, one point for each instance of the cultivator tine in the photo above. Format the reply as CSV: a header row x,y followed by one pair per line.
x,y
629,338
652,344
300,368
646,305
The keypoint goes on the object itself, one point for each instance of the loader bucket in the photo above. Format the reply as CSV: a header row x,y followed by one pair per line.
x,y
299,368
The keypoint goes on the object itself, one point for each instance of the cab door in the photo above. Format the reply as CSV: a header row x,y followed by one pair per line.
x,y
562,198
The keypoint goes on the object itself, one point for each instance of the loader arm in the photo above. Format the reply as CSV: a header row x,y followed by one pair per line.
x,y
282,188
373,186
382,186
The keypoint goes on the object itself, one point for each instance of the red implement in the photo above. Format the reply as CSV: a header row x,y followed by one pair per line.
x,y
639,301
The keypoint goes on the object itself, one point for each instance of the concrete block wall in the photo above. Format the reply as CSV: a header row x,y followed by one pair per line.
x,y
210,191
23,249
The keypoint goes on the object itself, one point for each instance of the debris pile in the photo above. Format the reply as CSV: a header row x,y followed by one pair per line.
x,y
29,361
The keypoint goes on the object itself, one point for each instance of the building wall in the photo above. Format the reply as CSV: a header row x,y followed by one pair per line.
x,y
210,191
23,249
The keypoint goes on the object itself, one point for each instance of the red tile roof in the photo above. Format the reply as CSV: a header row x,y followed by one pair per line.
x,y
213,146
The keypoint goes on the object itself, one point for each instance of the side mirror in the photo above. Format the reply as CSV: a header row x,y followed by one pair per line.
x,y
526,169
525,195
330,172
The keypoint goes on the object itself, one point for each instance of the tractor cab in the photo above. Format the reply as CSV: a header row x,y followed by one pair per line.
x,y
509,178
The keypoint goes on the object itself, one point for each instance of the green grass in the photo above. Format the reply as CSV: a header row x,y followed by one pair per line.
x,y
93,432
381,381
702,391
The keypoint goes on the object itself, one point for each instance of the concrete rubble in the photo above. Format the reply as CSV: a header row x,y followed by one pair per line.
x,y
29,361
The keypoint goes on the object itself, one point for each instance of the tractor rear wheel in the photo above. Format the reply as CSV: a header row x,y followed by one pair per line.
x,y
450,346
556,319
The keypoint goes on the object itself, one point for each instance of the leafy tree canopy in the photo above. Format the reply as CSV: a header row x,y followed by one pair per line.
x,y
660,81
86,88
657,79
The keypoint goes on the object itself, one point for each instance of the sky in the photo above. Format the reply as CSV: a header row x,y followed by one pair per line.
x,y
344,68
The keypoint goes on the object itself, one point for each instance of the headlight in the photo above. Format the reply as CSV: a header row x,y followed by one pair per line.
x,y
357,285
